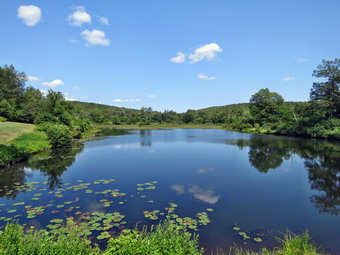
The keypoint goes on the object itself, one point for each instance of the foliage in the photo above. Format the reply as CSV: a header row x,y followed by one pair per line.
x,y
327,93
266,106
2,119
13,241
58,134
162,239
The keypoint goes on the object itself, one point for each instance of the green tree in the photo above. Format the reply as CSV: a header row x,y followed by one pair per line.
x,y
326,94
266,106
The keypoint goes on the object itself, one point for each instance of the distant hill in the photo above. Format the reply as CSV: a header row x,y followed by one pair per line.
x,y
241,106
107,110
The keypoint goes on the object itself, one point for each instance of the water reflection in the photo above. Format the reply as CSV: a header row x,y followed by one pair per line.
x,y
52,163
10,178
206,195
321,159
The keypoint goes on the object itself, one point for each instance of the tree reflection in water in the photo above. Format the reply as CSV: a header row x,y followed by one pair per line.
x,y
52,163
322,160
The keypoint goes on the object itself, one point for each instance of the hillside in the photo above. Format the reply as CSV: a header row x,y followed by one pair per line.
x,y
107,110
241,106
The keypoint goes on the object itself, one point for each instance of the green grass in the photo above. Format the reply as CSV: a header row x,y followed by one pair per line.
x,y
21,141
31,143
290,244
162,239
12,130
13,241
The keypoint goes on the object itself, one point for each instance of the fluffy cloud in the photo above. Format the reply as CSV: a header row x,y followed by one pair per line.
x,y
151,96
79,16
288,79
104,20
75,87
53,84
44,91
208,52
126,100
32,78
180,58
205,77
95,37
30,14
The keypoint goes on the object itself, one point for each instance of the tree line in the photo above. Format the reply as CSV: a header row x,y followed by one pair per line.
x,y
266,112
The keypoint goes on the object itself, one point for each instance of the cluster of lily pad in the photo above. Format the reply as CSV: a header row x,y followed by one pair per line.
x,y
246,235
88,223
180,223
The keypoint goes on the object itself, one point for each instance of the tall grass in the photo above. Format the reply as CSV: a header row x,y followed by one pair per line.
x,y
164,238
13,241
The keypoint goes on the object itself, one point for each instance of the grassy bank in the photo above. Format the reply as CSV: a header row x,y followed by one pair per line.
x,y
12,130
162,239
19,141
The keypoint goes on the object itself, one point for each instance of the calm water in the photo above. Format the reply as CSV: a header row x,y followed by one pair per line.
x,y
264,184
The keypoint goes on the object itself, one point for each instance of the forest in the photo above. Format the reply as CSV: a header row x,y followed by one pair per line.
x,y
266,112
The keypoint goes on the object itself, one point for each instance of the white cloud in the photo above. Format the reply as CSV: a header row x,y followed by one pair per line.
x,y
208,52
205,77
53,84
70,98
30,14
288,79
126,100
72,40
75,88
95,37
180,58
32,78
151,96
83,97
104,20
79,16
44,91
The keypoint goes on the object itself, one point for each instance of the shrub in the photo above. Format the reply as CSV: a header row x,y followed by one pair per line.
x,y
162,239
13,241
2,119
58,134
10,154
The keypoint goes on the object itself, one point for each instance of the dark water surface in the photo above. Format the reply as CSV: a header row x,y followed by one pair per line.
x,y
264,184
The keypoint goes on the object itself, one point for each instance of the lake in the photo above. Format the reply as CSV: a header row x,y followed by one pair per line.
x,y
258,184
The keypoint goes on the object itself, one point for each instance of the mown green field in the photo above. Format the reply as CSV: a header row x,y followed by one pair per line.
x,y
12,130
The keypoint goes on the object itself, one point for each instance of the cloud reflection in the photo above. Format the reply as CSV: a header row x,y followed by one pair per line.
x,y
205,170
205,195
178,188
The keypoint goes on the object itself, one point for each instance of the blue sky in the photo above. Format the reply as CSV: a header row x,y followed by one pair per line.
x,y
125,52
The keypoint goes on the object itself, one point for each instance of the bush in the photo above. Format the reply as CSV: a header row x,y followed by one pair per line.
x,y
162,239
10,154
13,241
58,134
2,119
